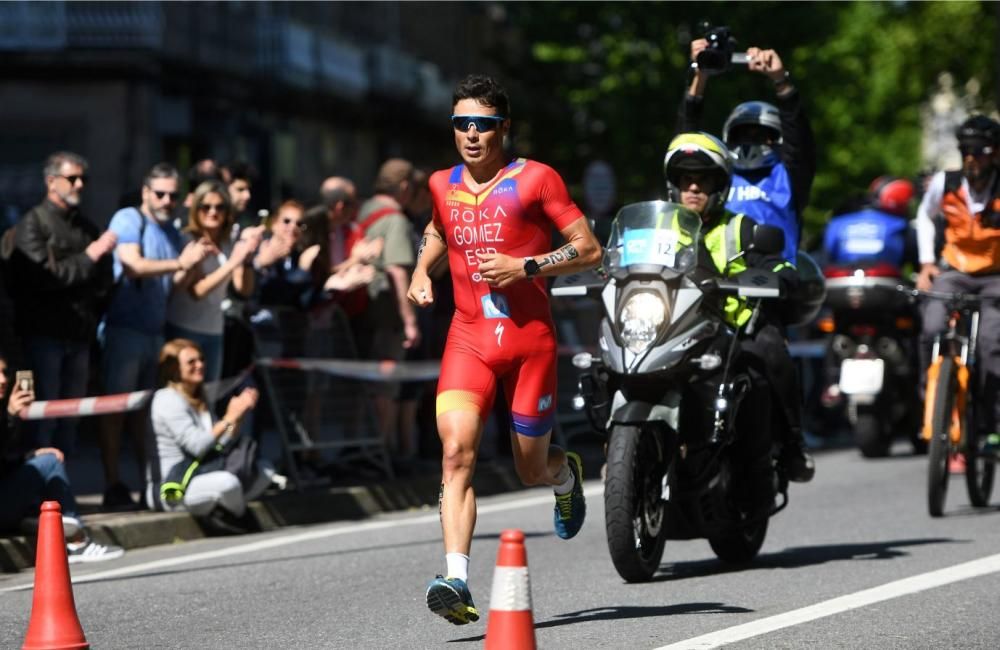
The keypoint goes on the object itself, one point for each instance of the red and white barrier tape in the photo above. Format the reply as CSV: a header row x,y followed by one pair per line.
x,y
362,370
71,408
118,403
348,368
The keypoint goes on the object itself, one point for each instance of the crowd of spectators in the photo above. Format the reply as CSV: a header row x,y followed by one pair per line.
x,y
188,263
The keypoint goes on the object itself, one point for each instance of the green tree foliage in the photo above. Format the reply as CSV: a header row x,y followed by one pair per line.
x,y
604,80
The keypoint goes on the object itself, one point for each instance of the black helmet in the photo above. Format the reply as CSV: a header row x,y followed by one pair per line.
x,y
978,130
698,151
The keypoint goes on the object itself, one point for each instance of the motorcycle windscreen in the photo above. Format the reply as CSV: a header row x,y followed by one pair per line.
x,y
655,233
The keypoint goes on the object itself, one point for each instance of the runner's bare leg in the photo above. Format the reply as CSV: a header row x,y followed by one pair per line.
x,y
538,462
460,432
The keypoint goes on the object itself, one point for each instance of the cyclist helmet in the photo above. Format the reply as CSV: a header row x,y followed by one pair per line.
x,y
892,195
753,131
978,130
699,152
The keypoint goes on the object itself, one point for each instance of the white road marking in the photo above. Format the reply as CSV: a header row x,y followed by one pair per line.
x,y
275,542
904,587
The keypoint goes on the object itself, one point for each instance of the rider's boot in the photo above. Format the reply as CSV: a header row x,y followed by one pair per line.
x,y
796,461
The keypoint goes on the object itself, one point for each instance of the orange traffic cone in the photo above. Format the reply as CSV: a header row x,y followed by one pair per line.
x,y
511,626
54,624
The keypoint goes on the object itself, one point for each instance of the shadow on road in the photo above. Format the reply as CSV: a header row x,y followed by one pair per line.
x,y
798,556
627,612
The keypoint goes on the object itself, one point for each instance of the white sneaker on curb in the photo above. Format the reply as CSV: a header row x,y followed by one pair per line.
x,y
71,526
279,481
91,551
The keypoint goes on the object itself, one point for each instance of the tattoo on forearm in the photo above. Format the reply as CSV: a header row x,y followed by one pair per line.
x,y
564,254
423,243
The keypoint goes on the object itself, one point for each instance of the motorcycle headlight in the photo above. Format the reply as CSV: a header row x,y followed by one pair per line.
x,y
640,320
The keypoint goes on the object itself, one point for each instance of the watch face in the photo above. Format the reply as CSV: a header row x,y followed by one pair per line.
x,y
530,267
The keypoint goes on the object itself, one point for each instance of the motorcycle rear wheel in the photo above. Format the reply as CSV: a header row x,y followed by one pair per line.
x,y
869,436
634,512
940,444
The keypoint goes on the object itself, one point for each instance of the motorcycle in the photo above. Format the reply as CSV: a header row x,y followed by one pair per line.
x,y
871,355
689,450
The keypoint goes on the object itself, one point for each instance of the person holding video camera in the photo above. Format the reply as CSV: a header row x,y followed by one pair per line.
x,y
775,153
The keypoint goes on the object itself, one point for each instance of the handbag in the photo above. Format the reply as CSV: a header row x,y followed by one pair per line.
x,y
238,457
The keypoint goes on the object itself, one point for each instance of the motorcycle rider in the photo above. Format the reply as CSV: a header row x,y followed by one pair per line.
x,y
878,233
773,144
969,202
698,169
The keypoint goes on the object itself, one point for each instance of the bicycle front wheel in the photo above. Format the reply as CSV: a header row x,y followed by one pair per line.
x,y
940,444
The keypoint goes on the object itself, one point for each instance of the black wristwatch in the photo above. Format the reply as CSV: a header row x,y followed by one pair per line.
x,y
531,267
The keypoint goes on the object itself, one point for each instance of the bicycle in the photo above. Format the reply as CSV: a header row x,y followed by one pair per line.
x,y
951,424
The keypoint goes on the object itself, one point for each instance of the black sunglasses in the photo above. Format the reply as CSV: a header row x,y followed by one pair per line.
x,y
208,207
482,123
160,194
298,224
74,178
975,150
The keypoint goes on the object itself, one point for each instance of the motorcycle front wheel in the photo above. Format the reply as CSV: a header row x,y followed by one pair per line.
x,y
634,510
739,545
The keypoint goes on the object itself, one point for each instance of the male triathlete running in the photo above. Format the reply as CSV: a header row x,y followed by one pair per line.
x,y
493,216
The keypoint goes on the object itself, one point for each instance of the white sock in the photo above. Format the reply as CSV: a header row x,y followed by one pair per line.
x,y
566,476
458,566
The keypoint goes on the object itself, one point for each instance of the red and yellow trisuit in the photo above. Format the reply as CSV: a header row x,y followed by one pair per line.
x,y
501,334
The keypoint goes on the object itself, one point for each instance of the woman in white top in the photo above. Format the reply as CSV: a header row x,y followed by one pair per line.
x,y
195,310
185,430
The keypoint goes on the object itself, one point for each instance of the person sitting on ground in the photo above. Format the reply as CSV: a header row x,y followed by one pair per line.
x,y
185,430
27,478
195,308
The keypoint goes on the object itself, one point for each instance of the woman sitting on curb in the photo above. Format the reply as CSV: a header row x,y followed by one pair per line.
x,y
28,478
192,449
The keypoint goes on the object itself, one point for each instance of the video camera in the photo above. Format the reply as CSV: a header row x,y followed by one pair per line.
x,y
720,53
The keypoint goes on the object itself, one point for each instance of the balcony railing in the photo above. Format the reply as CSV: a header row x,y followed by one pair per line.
x,y
241,38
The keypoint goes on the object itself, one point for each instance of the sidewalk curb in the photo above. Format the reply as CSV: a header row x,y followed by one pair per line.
x,y
142,529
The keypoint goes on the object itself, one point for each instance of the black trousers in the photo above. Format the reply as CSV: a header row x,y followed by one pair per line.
x,y
767,353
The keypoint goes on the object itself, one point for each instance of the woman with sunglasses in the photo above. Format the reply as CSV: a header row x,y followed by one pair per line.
x,y
186,431
195,310
290,272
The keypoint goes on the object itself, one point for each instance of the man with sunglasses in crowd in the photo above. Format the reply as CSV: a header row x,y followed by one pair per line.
x,y
148,260
493,218
62,272
961,211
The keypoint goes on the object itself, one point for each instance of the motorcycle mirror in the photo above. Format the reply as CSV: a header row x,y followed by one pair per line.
x,y
769,240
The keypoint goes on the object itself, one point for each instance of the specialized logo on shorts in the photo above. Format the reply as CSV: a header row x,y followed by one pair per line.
x,y
544,403
499,332
495,306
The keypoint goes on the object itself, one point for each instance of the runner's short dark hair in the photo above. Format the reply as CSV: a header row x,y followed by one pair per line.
x,y
485,90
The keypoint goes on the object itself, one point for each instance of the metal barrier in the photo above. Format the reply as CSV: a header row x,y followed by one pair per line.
x,y
314,386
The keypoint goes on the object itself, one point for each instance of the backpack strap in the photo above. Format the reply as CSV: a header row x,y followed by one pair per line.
x,y
370,220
